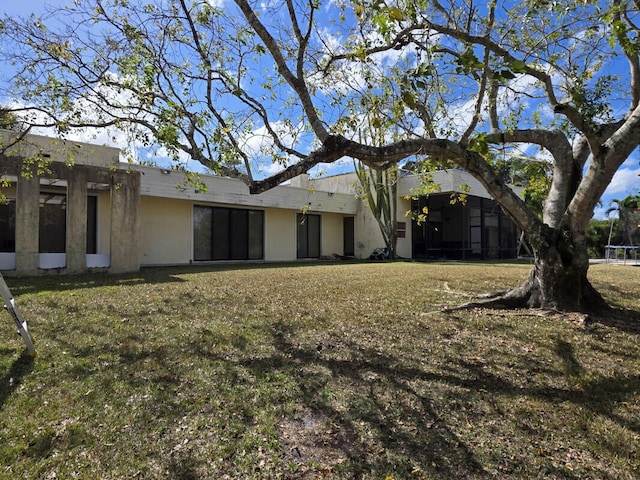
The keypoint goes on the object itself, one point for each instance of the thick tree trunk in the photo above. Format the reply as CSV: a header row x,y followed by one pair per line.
x,y
551,285
558,279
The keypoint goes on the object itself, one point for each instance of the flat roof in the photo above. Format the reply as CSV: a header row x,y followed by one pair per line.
x,y
168,183
59,150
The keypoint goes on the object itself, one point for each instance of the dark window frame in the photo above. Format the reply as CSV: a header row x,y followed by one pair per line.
x,y
8,226
349,236
308,235
92,224
228,234
52,222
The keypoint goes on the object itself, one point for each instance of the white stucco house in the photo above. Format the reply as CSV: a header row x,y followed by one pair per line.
x,y
105,215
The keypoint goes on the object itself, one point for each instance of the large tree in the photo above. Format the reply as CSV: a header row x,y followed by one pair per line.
x,y
240,85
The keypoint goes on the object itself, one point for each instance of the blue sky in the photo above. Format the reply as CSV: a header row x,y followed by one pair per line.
x,y
626,181
25,7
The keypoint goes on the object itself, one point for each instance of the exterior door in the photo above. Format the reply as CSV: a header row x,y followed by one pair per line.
x,y
348,249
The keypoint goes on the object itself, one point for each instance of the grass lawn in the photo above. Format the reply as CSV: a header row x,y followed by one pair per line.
x,y
334,371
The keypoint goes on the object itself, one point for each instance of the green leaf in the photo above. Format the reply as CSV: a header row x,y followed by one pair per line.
x,y
479,144
518,66
396,14
505,75
468,62
409,99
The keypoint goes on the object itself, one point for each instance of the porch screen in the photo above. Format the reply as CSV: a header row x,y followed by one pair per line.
x,y
227,234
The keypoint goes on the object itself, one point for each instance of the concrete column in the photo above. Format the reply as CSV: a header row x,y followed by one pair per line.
x,y
27,225
125,207
76,221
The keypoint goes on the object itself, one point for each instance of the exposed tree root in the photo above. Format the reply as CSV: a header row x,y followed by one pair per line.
x,y
504,299
493,304
497,302
574,294
569,297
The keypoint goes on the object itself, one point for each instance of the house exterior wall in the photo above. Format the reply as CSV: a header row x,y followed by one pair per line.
x,y
76,228
145,215
27,225
368,236
344,183
65,151
125,222
280,235
331,235
367,230
164,183
450,180
166,196
10,191
92,171
165,231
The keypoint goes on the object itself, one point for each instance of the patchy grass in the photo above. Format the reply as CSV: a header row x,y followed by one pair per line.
x,y
332,371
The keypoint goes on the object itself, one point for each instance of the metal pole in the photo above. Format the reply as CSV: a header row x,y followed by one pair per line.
x,y
12,308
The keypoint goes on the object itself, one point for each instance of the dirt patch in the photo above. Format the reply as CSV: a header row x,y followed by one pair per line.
x,y
315,443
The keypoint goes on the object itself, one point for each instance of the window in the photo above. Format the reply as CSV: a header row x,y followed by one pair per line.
x,y
227,234
53,222
92,224
308,236
202,233
8,226
348,239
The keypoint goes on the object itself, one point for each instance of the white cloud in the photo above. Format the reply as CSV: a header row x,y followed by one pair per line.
x,y
342,165
131,148
161,153
216,3
260,147
625,182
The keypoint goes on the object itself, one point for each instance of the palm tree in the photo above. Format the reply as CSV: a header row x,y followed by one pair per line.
x,y
627,231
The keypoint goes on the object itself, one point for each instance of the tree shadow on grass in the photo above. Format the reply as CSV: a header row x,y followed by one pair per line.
x,y
60,283
20,368
395,416
368,431
622,319
565,351
363,412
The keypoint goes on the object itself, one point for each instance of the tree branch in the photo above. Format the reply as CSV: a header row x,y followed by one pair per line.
x,y
297,83
630,53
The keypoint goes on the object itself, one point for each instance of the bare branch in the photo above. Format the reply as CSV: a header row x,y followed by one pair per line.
x,y
297,83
